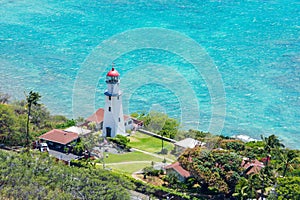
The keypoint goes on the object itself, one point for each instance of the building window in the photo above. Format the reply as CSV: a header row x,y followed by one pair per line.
x,y
129,122
119,119
109,109
109,98
118,97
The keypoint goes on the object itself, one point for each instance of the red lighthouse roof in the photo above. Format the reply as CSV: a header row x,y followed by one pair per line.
x,y
113,73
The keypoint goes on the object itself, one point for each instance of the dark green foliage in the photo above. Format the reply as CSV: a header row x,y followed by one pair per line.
x,y
150,171
246,188
237,146
287,160
32,100
160,123
288,188
253,144
216,171
271,142
39,177
191,133
67,124
78,147
12,127
122,141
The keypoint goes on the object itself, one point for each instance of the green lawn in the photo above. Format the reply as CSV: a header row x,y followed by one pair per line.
x,y
128,168
122,162
133,161
131,156
150,144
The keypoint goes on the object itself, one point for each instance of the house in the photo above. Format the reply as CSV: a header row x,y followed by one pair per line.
x,y
59,139
176,170
251,166
98,118
186,143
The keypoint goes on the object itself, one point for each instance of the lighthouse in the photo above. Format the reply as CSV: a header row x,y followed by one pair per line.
x,y
113,122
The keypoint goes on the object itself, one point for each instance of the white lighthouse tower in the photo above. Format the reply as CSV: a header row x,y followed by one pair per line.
x,y
113,123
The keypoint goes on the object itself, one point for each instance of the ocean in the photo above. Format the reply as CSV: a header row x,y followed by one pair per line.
x,y
228,67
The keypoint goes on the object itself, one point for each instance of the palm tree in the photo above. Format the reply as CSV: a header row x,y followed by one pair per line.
x,y
32,99
271,142
288,158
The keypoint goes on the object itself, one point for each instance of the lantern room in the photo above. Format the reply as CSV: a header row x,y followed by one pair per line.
x,y
112,76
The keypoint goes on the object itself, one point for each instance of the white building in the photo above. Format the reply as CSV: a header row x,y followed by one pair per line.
x,y
113,122
98,117
187,143
79,130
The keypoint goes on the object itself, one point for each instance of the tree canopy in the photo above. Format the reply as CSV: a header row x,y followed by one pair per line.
x,y
215,171
24,176
159,123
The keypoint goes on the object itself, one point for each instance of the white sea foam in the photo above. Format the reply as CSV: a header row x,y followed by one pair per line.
x,y
244,138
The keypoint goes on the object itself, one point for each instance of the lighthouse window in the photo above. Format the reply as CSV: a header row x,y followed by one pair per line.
x,y
119,119
109,98
118,97
109,109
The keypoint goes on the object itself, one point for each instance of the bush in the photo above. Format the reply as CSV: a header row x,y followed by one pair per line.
x,y
150,171
122,141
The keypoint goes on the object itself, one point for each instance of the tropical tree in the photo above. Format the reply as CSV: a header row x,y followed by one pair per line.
x,y
216,171
32,99
37,176
271,142
7,122
242,189
12,126
288,188
288,157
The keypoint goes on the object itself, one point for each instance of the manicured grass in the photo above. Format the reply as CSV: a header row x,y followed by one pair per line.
x,y
121,162
150,144
131,156
129,168
126,162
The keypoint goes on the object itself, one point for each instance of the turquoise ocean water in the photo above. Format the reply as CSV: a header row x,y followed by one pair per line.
x,y
255,46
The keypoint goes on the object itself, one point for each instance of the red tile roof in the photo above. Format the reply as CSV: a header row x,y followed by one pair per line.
x,y
253,166
98,116
177,167
59,136
126,117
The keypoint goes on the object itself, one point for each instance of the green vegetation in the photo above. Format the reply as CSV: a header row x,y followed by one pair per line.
x,y
31,99
23,121
39,177
159,123
131,156
148,143
12,131
128,168
217,171
288,188
216,168
150,171
121,141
